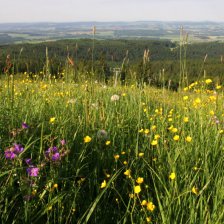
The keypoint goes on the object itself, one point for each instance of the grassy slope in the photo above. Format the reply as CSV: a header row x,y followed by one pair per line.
x,y
69,190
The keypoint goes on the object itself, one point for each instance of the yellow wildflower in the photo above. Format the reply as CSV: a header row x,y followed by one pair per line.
x,y
131,195
186,119
208,81
137,189
176,138
116,157
141,130
103,184
174,130
197,101
211,112
194,190
128,173
87,139
154,142
52,120
140,180
172,176
185,98
148,219
141,154
107,143
144,202
188,139
150,206
153,127
146,131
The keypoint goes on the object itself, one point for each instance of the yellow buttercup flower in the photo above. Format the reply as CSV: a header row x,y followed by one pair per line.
x,y
174,130
153,127
140,180
107,143
208,81
172,176
186,119
144,202
137,189
176,138
211,112
128,173
154,142
146,131
188,139
150,206
197,101
116,157
141,154
52,120
141,130
103,184
87,139
194,190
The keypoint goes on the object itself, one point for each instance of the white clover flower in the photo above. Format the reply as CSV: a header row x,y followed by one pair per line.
x,y
114,98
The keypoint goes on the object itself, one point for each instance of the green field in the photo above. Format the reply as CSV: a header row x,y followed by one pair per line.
x,y
92,153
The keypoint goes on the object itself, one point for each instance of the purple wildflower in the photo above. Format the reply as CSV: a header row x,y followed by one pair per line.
x,y
9,154
55,156
28,161
18,148
54,149
52,153
63,142
24,125
33,171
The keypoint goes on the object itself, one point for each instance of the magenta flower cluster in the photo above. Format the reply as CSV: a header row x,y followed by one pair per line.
x,y
32,171
14,151
52,153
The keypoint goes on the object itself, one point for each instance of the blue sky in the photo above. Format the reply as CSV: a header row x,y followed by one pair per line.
x,y
110,10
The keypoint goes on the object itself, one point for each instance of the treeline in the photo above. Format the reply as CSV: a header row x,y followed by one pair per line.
x,y
86,57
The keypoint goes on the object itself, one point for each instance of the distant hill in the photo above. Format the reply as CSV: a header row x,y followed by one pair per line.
x,y
38,32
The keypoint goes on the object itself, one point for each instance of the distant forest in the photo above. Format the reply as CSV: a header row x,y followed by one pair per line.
x,y
199,59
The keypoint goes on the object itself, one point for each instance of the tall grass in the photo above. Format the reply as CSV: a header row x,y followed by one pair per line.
x,y
127,155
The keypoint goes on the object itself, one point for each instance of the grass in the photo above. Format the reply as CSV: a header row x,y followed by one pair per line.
x,y
151,155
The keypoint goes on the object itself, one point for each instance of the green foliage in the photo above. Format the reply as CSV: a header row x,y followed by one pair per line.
x,y
112,137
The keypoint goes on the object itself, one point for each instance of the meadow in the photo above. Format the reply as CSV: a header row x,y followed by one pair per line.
x,y
93,153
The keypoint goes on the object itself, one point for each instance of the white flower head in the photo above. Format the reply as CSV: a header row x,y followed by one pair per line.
x,y
102,134
114,98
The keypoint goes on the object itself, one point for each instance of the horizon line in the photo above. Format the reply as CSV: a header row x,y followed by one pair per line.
x,y
116,21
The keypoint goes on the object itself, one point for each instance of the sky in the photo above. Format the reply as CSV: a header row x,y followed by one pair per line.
x,y
110,10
